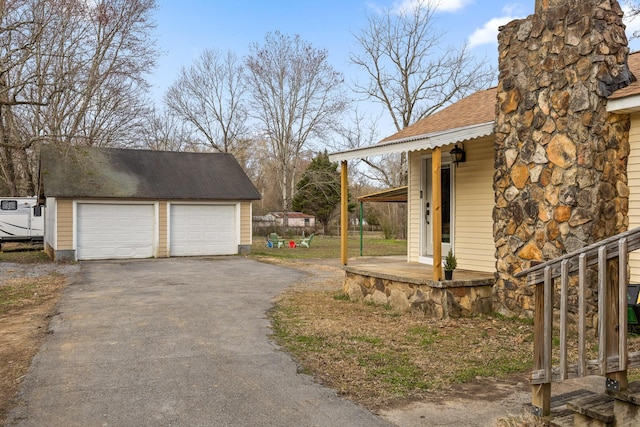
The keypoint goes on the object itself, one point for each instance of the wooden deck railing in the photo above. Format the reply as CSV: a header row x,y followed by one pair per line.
x,y
610,258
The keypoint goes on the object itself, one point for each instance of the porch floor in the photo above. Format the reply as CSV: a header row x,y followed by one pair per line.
x,y
397,268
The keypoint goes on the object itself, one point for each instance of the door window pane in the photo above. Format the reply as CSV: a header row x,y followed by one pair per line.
x,y
445,177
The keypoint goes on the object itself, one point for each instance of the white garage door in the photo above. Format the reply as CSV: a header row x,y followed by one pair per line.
x,y
203,230
107,231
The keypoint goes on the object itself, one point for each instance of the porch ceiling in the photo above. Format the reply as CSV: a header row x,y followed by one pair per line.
x,y
395,195
419,142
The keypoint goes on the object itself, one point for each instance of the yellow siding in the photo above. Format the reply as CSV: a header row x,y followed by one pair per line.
x,y
64,227
473,243
163,230
633,169
245,223
414,206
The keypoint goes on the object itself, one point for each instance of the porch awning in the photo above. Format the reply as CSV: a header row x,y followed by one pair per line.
x,y
419,142
393,195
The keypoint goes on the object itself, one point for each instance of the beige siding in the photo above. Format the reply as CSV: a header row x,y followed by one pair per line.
x,y
64,226
414,206
473,244
50,222
163,229
245,223
633,170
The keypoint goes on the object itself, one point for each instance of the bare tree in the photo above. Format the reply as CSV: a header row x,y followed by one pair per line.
x,y
71,72
631,11
410,71
164,131
297,96
380,171
359,131
210,95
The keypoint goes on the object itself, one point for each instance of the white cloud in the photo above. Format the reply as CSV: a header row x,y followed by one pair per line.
x,y
489,32
451,5
403,6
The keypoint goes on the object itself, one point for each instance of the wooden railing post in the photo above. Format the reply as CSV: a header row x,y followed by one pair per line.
x,y
616,381
540,393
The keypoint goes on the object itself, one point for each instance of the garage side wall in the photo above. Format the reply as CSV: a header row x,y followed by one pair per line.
x,y
62,239
163,229
246,237
50,229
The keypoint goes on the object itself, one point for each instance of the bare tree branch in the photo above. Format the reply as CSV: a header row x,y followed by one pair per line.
x,y
296,96
210,95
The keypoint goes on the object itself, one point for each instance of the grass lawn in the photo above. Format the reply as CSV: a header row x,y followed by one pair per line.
x,y
23,253
329,247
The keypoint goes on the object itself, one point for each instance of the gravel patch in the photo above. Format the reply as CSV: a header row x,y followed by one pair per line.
x,y
10,270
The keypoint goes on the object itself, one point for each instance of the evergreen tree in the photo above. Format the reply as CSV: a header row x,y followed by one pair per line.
x,y
318,191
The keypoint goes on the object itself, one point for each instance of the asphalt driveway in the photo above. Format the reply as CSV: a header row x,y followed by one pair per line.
x,y
174,342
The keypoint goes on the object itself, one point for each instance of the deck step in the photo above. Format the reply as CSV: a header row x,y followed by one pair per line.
x,y
565,420
630,395
598,407
560,415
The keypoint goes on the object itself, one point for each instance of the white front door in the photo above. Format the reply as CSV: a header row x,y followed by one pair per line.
x,y
447,187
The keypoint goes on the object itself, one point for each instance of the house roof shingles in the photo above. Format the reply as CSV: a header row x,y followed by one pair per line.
x,y
92,172
291,215
476,108
633,60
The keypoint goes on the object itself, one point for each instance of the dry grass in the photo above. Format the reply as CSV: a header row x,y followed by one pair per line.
x,y
25,308
382,359
323,247
377,357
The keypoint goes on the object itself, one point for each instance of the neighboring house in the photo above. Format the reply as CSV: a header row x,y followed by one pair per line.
x,y
104,203
262,221
523,197
295,219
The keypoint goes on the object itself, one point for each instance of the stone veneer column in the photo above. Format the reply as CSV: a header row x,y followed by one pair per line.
x,y
560,158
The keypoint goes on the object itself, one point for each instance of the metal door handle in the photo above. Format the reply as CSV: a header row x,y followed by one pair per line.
x,y
427,212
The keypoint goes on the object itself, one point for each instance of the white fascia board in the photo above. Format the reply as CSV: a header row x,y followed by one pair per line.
x,y
418,142
626,105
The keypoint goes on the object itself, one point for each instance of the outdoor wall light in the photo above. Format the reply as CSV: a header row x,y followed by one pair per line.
x,y
457,155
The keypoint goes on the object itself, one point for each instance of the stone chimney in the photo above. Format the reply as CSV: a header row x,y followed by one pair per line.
x,y
542,5
560,159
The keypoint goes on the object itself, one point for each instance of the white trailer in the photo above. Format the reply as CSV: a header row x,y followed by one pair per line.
x,y
21,220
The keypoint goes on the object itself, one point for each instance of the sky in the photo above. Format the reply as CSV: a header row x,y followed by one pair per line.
x,y
185,28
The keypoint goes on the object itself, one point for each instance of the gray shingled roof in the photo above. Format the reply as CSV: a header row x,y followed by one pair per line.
x,y
93,172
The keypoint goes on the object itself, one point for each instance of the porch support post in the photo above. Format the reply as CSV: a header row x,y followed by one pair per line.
x,y
361,224
344,212
436,217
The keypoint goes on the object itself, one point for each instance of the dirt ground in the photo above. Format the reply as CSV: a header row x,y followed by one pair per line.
x,y
33,290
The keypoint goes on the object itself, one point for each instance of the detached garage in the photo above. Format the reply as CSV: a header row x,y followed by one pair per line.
x,y
107,203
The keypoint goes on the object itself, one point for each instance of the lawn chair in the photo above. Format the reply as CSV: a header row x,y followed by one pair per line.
x,y
306,242
276,240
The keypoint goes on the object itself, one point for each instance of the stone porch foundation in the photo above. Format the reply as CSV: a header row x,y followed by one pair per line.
x,y
433,299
